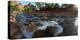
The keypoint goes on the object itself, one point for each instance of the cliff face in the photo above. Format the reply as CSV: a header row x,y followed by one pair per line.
x,y
68,12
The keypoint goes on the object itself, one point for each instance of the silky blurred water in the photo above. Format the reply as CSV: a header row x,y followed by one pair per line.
x,y
68,24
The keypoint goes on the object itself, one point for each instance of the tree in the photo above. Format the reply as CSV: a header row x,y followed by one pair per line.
x,y
27,9
33,7
45,6
14,8
40,5
49,5
56,5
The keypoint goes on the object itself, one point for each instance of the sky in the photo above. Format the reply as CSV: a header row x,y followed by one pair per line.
x,y
25,2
